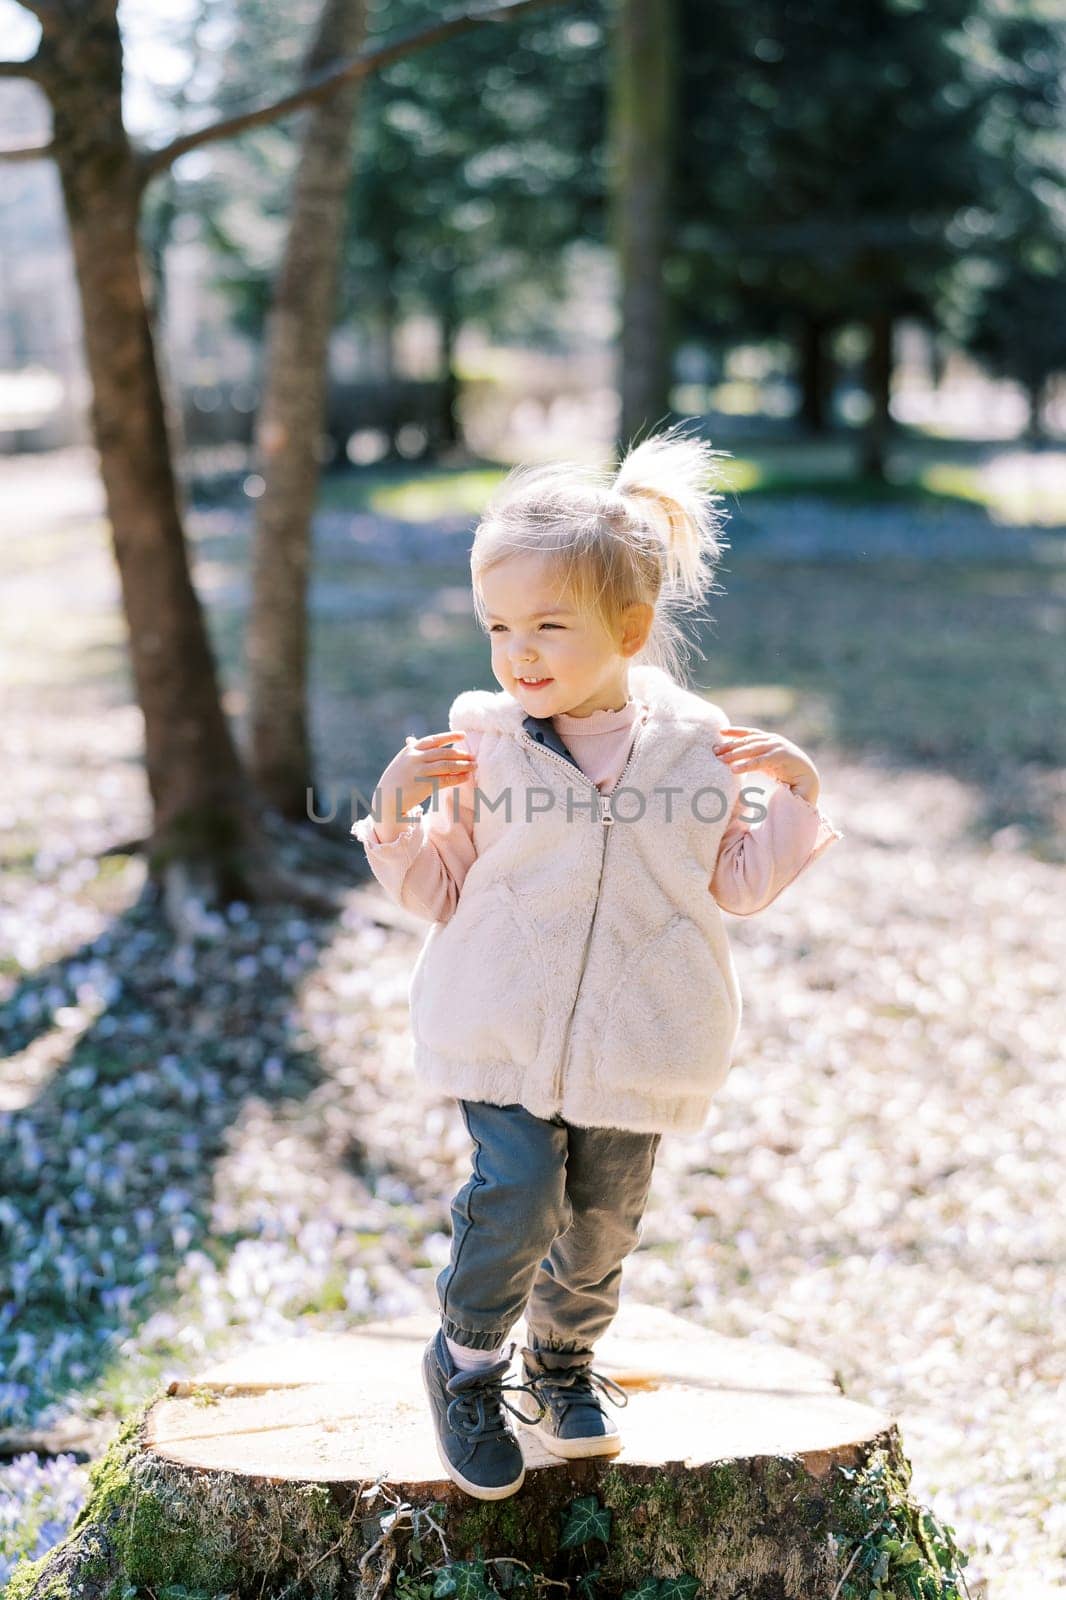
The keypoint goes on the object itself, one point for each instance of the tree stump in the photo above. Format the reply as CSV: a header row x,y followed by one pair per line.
x,y
308,1469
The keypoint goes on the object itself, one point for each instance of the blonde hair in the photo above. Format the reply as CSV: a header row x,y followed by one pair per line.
x,y
649,532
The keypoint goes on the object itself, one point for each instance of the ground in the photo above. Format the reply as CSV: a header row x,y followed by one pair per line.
x,y
203,1151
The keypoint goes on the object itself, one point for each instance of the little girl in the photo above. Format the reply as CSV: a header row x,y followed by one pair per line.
x,y
576,993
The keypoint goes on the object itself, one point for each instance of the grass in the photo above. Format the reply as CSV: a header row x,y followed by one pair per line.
x,y
1010,481
414,497
919,473
922,470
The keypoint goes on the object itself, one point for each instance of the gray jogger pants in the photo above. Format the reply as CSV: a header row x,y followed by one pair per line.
x,y
542,1226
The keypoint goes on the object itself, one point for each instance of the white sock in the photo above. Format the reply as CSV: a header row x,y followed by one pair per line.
x,y
467,1358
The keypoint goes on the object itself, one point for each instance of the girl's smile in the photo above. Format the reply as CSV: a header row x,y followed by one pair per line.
x,y
544,651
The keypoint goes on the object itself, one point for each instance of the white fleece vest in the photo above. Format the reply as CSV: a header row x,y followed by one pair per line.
x,y
586,970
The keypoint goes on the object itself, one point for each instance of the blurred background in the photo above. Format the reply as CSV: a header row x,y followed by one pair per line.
x,y
864,241
255,385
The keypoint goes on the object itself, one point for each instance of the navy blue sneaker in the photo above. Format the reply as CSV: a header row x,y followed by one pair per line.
x,y
476,1443
571,1420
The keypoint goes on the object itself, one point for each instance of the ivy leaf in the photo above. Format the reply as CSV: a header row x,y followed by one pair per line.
x,y
587,1520
470,1581
409,1587
683,1587
444,1586
648,1589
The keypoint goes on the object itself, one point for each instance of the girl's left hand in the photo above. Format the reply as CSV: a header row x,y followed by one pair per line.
x,y
743,748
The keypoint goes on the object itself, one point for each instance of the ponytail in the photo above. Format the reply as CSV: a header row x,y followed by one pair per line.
x,y
666,479
650,532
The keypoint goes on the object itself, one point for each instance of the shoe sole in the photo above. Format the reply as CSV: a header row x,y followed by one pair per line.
x,y
479,1491
574,1449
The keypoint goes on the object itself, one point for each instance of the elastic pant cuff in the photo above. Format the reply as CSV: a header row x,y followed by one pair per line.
x,y
474,1338
552,1354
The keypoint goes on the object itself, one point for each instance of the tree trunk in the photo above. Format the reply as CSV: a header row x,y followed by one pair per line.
x,y
1035,391
387,368
201,803
291,421
643,95
938,349
743,1471
451,433
389,318
875,435
815,374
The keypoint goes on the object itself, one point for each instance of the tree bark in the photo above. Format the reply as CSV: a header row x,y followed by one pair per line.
x,y
642,133
815,374
938,349
292,418
876,434
201,804
451,433
1035,391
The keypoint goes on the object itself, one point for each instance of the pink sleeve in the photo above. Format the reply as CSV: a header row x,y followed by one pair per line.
x,y
423,869
755,863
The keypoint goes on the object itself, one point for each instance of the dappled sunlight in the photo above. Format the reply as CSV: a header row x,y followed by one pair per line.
x,y
202,1155
1024,486
440,495
1027,486
25,1073
282,306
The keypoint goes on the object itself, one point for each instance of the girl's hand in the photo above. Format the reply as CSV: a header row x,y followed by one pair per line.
x,y
743,748
410,776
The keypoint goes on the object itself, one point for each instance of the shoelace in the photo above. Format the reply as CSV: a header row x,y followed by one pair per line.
x,y
479,1397
575,1386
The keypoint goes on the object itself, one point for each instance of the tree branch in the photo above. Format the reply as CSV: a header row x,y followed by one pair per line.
x,y
324,84
28,152
19,69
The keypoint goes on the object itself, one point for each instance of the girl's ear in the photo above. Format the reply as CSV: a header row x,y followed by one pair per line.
x,y
638,618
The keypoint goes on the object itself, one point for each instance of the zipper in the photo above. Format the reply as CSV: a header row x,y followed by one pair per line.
x,y
605,799
608,820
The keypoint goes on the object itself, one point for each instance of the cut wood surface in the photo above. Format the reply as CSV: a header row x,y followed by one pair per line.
x,y
351,1406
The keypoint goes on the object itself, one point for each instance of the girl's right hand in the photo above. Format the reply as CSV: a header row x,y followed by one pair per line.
x,y
410,776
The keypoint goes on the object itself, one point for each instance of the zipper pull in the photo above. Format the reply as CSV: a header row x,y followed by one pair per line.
x,y
606,815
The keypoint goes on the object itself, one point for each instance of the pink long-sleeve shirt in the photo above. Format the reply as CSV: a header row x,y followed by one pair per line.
x,y
424,867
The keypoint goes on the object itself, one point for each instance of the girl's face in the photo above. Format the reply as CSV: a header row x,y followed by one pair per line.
x,y
535,632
